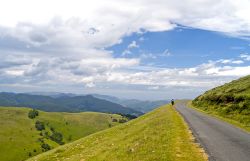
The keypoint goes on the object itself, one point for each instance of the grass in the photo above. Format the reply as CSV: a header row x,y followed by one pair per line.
x,y
231,102
19,137
216,115
161,135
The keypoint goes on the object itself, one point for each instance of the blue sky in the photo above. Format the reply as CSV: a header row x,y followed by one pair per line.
x,y
143,49
187,47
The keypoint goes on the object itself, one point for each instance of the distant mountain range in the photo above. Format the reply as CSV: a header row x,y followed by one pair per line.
x,y
59,102
138,105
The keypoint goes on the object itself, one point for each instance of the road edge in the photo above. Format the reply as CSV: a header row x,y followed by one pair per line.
x,y
197,140
218,117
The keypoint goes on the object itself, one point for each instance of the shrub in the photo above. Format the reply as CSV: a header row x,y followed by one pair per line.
x,y
45,147
57,137
122,120
33,113
39,125
40,140
239,98
52,129
114,120
128,116
69,138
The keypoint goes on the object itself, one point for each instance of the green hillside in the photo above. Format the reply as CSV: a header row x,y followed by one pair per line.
x,y
231,101
160,135
20,139
63,103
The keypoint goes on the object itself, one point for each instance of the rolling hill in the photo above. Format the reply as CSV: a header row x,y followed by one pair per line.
x,y
63,103
158,135
231,101
21,139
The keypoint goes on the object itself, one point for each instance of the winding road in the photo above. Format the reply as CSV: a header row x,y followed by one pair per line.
x,y
221,141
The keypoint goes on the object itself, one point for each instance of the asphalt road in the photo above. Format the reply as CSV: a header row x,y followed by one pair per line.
x,y
222,141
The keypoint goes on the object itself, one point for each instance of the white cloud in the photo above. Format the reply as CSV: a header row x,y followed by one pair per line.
x,y
64,43
245,56
154,15
126,52
153,87
90,85
148,56
237,62
133,44
230,61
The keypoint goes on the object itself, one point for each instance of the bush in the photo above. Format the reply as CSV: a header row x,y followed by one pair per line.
x,y
33,113
39,125
57,137
40,140
240,98
45,147
52,129
128,116
70,138
114,120
122,120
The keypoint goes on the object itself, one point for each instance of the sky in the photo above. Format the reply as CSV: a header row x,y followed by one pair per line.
x,y
142,49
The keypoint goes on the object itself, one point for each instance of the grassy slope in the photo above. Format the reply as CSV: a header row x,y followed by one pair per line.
x,y
18,135
159,135
230,101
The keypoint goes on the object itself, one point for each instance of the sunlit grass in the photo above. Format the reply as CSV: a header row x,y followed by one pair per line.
x,y
231,102
19,137
157,136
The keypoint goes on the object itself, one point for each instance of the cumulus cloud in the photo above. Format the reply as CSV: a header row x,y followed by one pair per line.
x,y
245,56
230,61
132,15
67,45
133,44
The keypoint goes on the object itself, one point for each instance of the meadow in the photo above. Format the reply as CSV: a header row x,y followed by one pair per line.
x,y
158,135
20,139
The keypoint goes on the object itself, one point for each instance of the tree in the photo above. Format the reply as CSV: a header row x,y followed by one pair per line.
x,y
39,125
33,113
57,137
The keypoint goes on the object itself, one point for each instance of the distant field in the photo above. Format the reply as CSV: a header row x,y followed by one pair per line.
x,y
230,101
19,139
160,135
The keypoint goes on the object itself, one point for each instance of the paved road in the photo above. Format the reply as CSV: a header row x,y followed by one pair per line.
x,y
222,141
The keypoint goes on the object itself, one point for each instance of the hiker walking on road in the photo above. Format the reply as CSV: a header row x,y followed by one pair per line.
x,y
172,102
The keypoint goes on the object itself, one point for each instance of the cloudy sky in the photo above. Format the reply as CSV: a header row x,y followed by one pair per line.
x,y
144,49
